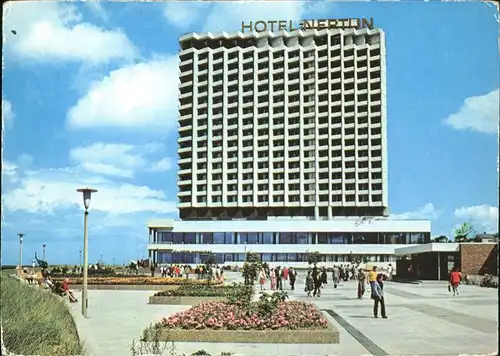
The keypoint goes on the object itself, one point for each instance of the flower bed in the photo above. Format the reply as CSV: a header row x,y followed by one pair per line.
x,y
139,281
218,315
194,295
225,322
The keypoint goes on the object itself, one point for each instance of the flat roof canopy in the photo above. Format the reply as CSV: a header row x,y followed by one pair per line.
x,y
349,225
425,248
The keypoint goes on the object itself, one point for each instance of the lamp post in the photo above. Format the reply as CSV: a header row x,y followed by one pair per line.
x,y
43,251
20,254
87,192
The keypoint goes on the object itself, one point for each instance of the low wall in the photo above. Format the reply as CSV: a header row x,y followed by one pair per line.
x,y
329,335
175,300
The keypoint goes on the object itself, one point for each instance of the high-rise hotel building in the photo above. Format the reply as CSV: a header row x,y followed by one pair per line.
x,y
282,150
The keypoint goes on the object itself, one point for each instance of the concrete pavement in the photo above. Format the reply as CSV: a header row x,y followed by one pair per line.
x,y
423,319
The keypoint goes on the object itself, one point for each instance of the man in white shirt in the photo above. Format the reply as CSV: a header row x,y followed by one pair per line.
x,y
389,272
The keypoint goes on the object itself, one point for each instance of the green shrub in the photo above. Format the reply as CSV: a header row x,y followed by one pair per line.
x,y
232,291
36,322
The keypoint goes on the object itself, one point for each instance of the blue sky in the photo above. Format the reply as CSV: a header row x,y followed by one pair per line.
x,y
90,97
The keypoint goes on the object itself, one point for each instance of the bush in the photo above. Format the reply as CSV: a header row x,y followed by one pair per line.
x,y
205,291
36,322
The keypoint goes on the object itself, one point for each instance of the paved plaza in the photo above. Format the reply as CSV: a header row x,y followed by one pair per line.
x,y
424,319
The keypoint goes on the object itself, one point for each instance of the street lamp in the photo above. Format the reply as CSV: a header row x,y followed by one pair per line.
x,y
43,251
20,254
87,192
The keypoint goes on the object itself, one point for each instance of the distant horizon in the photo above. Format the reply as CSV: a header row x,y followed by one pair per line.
x,y
91,103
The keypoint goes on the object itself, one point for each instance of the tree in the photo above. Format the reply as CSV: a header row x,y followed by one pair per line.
x,y
251,267
440,239
313,258
463,233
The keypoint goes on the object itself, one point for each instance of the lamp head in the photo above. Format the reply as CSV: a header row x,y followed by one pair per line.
x,y
87,192
21,237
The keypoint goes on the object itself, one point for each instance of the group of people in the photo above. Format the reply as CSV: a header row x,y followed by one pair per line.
x,y
276,276
317,278
201,272
173,271
61,289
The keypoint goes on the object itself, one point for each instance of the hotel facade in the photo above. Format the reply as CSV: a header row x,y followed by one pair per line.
x,y
282,150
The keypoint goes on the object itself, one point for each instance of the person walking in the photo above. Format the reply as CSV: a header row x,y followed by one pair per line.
x,y
390,271
279,279
309,284
455,278
262,278
324,277
292,276
272,275
378,297
336,276
372,277
317,285
361,283
286,272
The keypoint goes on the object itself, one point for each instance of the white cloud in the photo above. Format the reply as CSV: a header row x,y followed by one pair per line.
x,y
228,16
48,31
184,14
7,114
163,165
9,170
119,160
484,218
478,113
47,190
428,211
97,10
137,96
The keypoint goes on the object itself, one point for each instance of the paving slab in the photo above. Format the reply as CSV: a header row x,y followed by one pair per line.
x,y
424,319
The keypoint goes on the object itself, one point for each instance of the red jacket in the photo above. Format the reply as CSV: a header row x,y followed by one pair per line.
x,y
455,277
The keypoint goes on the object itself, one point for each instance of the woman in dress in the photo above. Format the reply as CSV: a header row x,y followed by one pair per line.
x,y
262,278
273,279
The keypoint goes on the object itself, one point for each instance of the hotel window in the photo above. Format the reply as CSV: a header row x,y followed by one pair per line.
x,y
302,238
178,238
218,237
165,237
266,257
189,238
287,238
267,237
338,239
207,238
229,238
249,238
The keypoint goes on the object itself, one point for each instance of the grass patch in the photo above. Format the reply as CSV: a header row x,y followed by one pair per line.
x,y
36,322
